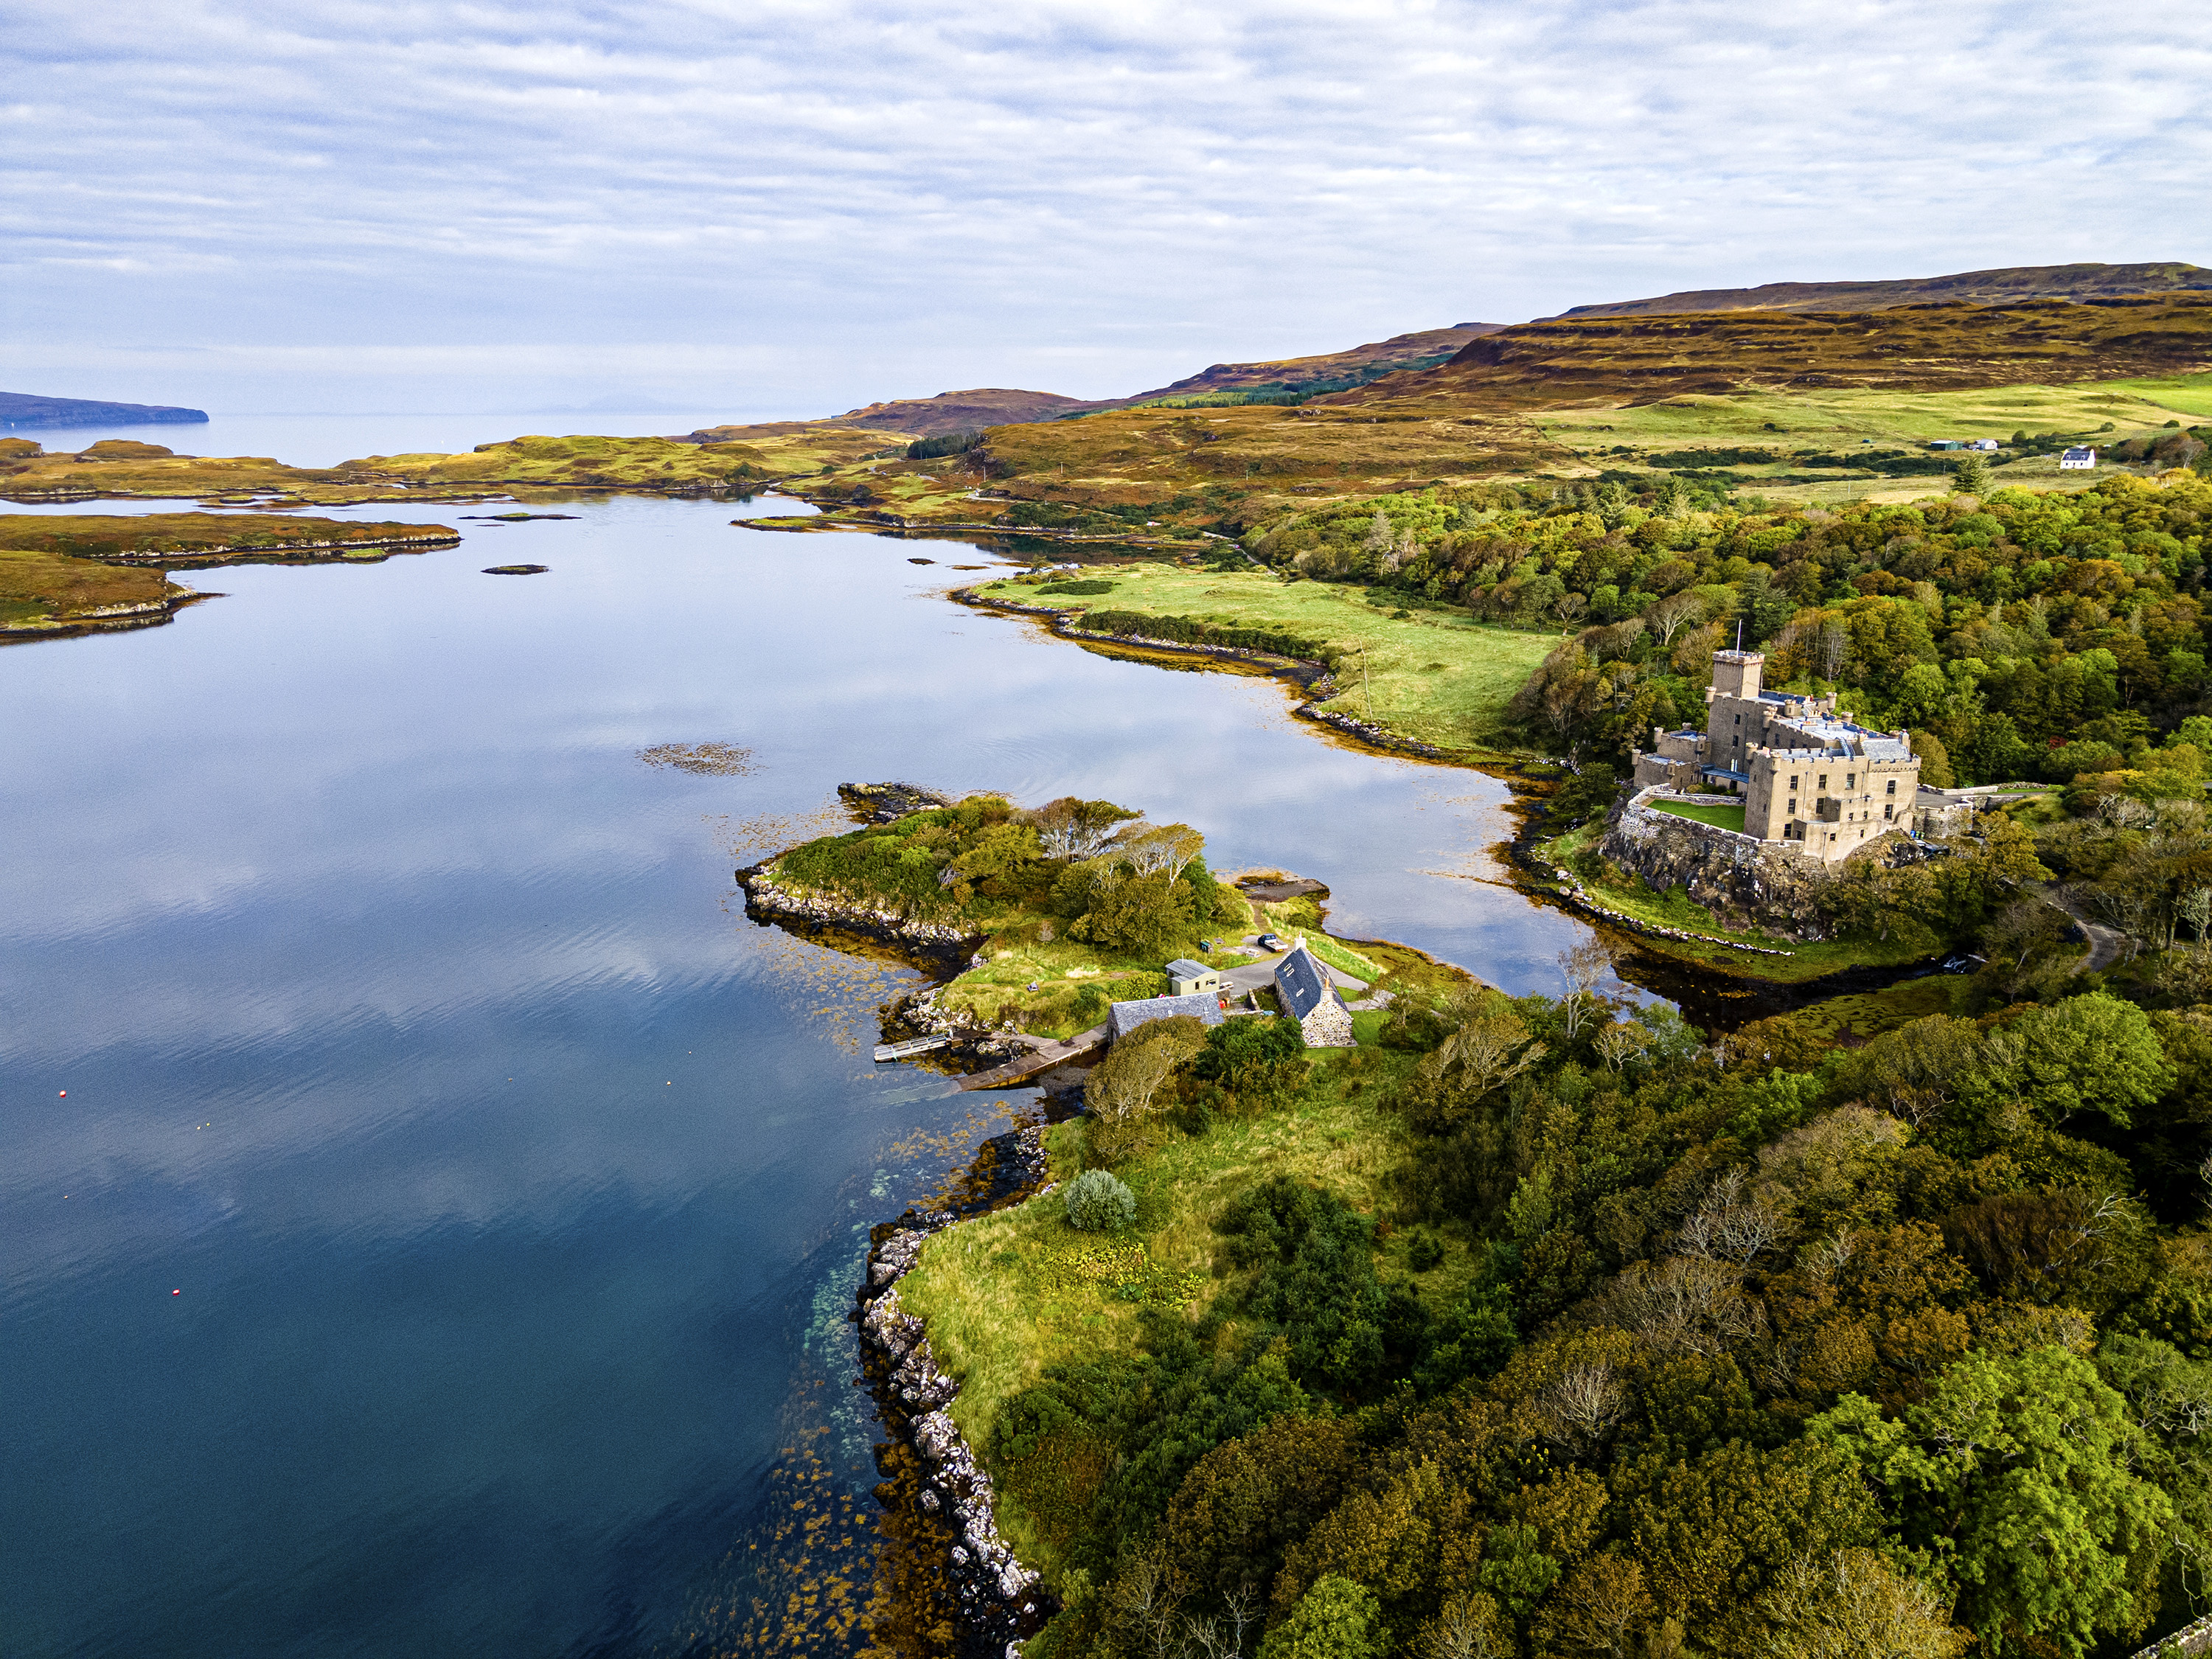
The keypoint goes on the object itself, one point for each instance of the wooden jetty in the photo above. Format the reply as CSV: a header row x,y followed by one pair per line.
x,y
912,1046
1043,1057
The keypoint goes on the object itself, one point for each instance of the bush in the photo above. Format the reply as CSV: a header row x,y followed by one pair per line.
x,y
1336,1619
1259,1063
1186,630
1098,1202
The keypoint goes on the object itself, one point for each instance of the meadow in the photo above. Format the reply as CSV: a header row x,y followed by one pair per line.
x,y
1428,671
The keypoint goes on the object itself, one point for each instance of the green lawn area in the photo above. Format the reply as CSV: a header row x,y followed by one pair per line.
x,y
1435,675
2186,394
1784,421
1009,1294
1721,817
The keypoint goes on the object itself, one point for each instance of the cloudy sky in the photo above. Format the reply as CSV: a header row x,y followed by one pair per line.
x,y
340,204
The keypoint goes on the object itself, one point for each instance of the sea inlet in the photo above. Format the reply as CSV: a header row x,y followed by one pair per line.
x,y
430,1208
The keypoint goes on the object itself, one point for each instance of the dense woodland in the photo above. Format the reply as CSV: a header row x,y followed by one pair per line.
x,y
1660,1348
2016,634
1657,1346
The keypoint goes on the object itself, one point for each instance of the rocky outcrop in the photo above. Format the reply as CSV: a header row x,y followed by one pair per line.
x,y
886,803
1747,885
1000,1601
771,897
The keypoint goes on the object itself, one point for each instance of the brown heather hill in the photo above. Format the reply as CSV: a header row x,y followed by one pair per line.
x,y
1570,360
973,410
962,411
1363,362
2009,285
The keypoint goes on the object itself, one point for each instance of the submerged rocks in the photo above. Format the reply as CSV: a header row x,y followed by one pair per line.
x,y
1000,1601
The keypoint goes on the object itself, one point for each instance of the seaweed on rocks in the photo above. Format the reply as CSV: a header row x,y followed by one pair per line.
x,y
886,803
953,1589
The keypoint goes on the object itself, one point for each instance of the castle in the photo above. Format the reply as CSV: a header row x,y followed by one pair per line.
x,y
1810,779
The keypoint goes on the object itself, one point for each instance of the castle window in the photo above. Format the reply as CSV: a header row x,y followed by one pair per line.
x,y
1892,788
1824,779
1850,780
1889,812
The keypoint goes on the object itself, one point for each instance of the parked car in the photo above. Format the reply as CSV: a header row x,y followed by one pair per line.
x,y
1270,942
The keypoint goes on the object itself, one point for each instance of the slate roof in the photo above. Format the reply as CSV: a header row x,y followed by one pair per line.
x,y
1184,968
1123,1018
1301,983
1846,739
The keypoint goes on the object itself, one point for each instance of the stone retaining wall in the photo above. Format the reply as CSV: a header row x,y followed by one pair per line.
x,y
1001,1601
2184,1643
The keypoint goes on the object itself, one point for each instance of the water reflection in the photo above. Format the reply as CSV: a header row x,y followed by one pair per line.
x,y
409,1030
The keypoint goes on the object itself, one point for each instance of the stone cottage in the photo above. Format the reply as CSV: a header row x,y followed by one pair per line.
x,y
1307,995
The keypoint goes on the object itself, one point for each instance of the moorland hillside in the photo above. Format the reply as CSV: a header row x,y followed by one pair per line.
x,y
1641,358
2007,285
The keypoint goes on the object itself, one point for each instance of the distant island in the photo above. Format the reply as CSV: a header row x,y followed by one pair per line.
x,y
20,410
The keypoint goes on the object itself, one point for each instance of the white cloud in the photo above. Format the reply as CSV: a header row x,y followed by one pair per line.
x,y
861,201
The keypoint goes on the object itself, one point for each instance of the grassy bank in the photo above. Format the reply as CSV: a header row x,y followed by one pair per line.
x,y
1427,672
1012,1295
48,594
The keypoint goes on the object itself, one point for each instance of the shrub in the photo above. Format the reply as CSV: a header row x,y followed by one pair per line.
x,y
1336,1619
1098,1202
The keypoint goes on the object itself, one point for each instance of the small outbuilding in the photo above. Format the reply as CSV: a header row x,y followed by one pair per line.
x,y
2078,460
1187,978
1303,988
1123,1018
1985,446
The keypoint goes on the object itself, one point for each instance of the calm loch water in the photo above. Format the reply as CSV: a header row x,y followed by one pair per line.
x,y
442,1242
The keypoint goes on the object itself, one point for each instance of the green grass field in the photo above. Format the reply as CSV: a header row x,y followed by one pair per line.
x,y
1434,675
1721,817
1009,1294
2186,394
1798,420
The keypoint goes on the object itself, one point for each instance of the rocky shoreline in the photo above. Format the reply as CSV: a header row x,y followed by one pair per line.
x,y
805,911
273,552
102,619
934,1482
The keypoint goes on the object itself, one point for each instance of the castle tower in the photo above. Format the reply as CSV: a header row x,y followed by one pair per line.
x,y
1735,673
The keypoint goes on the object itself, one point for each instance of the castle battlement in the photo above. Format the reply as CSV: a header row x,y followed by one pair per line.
x,y
1811,779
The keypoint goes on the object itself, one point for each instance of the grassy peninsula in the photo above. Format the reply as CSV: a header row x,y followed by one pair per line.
x,y
1068,908
62,575
1424,670
46,595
